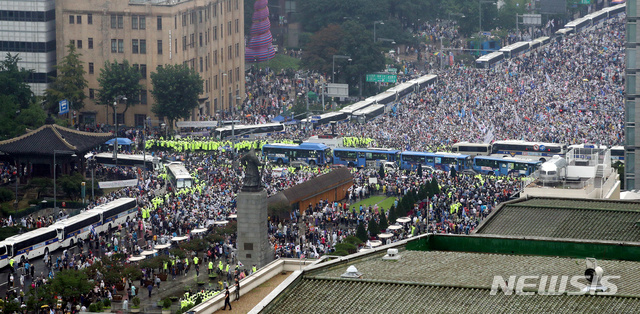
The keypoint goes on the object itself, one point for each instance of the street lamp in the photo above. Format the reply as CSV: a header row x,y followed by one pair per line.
x,y
222,75
144,148
56,151
480,10
164,126
115,111
333,73
374,29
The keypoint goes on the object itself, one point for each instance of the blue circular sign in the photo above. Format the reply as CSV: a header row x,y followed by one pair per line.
x,y
541,147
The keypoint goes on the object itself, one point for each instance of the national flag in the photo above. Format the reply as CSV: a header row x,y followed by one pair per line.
x,y
93,231
240,264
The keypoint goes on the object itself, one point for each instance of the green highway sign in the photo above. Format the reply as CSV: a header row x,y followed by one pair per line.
x,y
382,78
392,70
585,1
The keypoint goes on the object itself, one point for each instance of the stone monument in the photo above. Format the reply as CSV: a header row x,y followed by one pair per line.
x,y
253,240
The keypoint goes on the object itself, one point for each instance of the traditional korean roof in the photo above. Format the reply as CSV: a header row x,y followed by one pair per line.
x,y
50,137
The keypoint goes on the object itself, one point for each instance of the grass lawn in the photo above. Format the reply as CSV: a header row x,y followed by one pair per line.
x,y
368,201
386,204
281,61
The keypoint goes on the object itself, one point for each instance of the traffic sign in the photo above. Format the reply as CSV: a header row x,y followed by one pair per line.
x,y
536,147
63,106
337,90
542,147
382,78
316,117
392,70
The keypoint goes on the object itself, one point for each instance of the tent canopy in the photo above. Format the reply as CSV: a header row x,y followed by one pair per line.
x,y
121,141
278,119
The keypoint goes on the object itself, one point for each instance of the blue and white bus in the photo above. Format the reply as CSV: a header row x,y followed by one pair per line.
x,y
29,245
117,212
364,157
527,150
504,166
439,161
79,227
311,153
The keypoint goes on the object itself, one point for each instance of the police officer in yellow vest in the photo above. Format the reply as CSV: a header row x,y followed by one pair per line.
x,y
254,269
210,267
220,266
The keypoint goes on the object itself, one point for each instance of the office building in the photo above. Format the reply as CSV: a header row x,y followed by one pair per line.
x,y
206,35
28,28
632,102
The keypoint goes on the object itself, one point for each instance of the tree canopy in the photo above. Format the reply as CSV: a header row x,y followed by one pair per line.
x,y
176,89
117,79
13,82
69,84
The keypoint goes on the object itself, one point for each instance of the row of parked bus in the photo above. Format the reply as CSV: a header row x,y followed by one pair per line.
x,y
491,59
67,232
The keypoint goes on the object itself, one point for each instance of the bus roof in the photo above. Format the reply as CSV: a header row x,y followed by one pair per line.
x,y
316,146
179,171
469,143
367,150
524,161
140,157
368,110
525,142
30,234
514,46
489,56
438,154
246,126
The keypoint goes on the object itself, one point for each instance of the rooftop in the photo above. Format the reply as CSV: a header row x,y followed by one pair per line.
x,y
49,137
567,219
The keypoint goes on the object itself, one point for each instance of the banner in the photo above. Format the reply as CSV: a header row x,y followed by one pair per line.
x,y
117,184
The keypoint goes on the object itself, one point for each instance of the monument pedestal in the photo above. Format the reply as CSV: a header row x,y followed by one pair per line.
x,y
253,240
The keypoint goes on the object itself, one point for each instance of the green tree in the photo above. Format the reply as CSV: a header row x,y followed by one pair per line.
x,y
299,108
9,126
316,14
453,171
69,84
32,117
118,79
381,171
435,188
13,82
68,284
361,233
41,184
419,172
383,221
176,89
392,215
71,185
373,227
366,56
325,43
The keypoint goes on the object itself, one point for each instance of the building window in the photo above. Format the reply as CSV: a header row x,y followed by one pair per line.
x,y
143,46
631,58
237,74
237,26
72,19
90,67
143,22
175,21
631,32
143,96
159,47
221,55
120,118
192,40
90,43
184,42
201,64
143,71
200,16
200,39
175,46
79,19
89,18
215,9
184,19
631,184
215,33
215,82
134,46
237,50
229,27
113,21
632,9
215,57
79,44
630,111
92,94
120,21
134,22
159,23
631,84
121,45
630,166
114,46
72,42
221,30
229,53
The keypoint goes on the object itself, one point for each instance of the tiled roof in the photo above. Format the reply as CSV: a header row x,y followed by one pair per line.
x,y
50,137
314,186
478,270
345,296
566,218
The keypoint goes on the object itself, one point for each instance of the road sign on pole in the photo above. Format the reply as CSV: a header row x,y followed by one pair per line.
x,y
337,90
382,78
63,106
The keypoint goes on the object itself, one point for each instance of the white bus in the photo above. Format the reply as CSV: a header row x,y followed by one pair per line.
x,y
79,227
471,149
369,113
128,160
527,150
178,176
253,130
117,212
30,245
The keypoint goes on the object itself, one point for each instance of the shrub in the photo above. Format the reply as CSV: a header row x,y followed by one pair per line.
x,y
6,195
341,253
179,311
99,306
93,308
166,303
353,240
136,302
107,303
348,247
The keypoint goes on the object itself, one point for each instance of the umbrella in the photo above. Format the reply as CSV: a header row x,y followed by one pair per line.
x,y
200,168
147,253
233,216
375,243
403,219
162,246
178,239
221,222
585,80
196,231
385,235
136,258
121,141
395,227
392,51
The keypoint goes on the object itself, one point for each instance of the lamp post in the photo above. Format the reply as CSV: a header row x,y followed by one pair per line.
x,y
115,113
222,75
144,148
374,29
480,10
333,73
55,194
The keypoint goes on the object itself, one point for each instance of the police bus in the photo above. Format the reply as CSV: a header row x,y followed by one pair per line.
x,y
79,227
254,130
439,161
178,176
528,150
472,149
107,159
117,212
362,157
311,153
489,60
503,166
29,245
